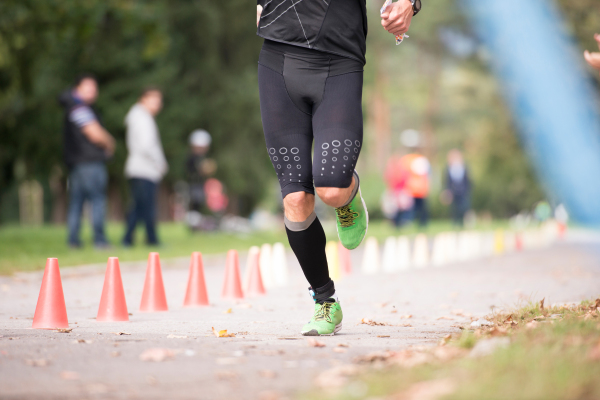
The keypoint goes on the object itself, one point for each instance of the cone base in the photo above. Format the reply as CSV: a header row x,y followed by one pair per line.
x,y
106,319
49,327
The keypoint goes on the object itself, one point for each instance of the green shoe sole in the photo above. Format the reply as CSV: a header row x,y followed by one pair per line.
x,y
314,332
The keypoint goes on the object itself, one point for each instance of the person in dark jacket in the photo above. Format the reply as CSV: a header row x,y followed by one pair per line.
x,y
458,186
87,146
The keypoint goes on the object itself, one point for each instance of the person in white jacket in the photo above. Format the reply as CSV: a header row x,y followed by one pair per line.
x,y
145,165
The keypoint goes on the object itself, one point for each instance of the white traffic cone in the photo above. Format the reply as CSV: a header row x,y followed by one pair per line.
x,y
403,253
333,260
421,251
280,270
266,265
438,252
451,247
390,255
370,264
254,250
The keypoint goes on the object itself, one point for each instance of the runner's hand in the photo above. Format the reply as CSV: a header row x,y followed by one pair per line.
x,y
593,58
258,12
397,16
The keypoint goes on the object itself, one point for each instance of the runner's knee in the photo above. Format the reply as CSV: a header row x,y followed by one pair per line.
x,y
299,205
332,196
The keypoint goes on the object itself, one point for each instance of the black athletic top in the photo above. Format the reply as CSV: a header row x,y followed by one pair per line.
x,y
333,26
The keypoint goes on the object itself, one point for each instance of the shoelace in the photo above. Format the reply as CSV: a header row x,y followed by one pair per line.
x,y
324,312
346,216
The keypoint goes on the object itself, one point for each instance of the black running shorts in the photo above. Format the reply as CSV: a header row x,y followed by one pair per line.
x,y
308,95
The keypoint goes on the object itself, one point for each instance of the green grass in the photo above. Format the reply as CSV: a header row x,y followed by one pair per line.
x,y
556,359
23,249
26,248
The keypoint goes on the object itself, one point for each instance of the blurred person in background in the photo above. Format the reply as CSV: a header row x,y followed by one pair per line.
x,y
398,201
87,146
457,187
416,168
146,164
593,58
199,168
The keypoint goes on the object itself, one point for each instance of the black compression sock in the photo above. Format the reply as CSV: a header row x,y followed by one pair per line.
x,y
309,247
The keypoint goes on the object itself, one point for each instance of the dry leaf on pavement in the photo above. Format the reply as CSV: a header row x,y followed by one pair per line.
x,y
445,317
69,375
222,333
370,322
157,354
531,325
40,362
64,330
343,345
228,311
407,316
314,343
121,333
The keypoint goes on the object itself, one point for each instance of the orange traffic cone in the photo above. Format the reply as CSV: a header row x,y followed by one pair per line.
x,y
196,294
153,296
255,285
232,285
344,260
518,242
51,312
113,306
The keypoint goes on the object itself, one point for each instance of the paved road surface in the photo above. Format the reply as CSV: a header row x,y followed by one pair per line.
x,y
268,359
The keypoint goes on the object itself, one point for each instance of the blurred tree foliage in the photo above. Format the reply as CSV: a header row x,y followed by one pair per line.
x,y
202,54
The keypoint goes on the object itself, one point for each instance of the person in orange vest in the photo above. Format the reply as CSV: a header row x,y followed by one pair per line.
x,y
416,168
397,201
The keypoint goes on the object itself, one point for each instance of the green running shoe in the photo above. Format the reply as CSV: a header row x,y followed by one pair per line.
x,y
326,321
352,221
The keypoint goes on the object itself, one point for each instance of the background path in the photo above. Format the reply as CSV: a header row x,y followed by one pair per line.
x,y
268,359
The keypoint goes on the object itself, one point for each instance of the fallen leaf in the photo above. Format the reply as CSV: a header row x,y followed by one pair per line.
x,y
157,354
226,375
542,304
314,343
288,338
267,373
445,317
222,333
383,336
531,325
405,325
406,316
498,331
83,341
64,330
367,321
343,345
339,350
394,311
121,333
176,337
39,362
228,311
69,375
445,340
